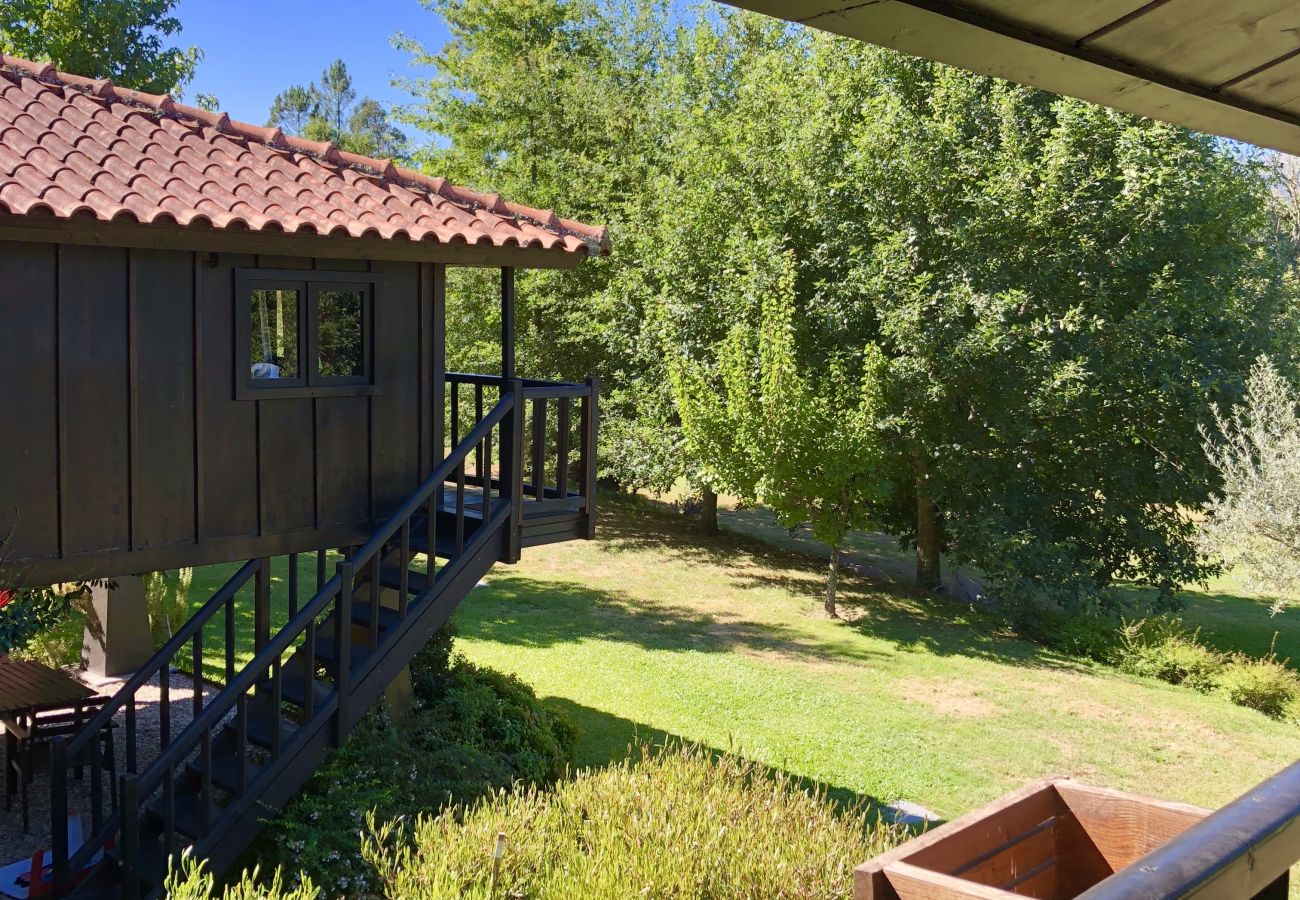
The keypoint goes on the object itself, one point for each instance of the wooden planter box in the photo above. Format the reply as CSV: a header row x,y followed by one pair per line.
x,y
1055,839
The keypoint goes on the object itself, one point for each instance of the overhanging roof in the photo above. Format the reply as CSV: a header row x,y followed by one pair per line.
x,y
1227,67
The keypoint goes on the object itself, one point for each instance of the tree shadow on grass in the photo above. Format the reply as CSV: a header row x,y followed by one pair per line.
x,y
530,612
607,739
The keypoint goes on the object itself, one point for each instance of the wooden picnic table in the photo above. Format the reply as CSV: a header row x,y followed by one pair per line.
x,y
28,687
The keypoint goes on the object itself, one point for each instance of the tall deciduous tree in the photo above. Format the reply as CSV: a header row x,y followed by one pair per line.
x,y
125,40
807,444
1055,291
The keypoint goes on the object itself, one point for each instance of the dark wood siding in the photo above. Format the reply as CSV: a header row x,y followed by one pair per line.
x,y
132,453
29,429
162,401
93,401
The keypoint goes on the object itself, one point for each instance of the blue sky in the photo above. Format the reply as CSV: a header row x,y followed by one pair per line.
x,y
253,50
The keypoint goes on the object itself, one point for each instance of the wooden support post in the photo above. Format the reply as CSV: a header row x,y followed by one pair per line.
x,y
507,323
512,469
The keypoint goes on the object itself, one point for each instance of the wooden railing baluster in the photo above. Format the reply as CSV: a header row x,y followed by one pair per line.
x,y
460,508
277,697
241,742
197,681
293,585
130,735
404,576
375,592
59,813
169,815
539,448
205,779
342,649
320,570
309,666
130,842
164,708
484,478
590,417
562,450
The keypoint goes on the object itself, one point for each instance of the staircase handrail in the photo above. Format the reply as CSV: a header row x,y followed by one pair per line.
x,y
162,658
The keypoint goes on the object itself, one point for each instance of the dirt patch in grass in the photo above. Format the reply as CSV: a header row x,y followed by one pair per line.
x,y
948,697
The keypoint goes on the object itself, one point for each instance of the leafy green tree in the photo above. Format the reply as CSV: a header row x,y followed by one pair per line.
x,y
807,444
293,108
549,103
327,113
125,40
1055,291
370,127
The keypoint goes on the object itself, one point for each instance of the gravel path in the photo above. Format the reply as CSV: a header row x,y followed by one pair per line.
x,y
15,845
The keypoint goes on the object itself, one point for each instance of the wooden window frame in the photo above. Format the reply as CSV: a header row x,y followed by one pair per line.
x,y
309,383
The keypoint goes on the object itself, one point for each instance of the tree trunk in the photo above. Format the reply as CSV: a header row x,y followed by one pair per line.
x,y
928,534
832,581
708,512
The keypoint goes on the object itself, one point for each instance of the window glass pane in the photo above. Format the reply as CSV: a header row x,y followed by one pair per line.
x,y
273,340
340,318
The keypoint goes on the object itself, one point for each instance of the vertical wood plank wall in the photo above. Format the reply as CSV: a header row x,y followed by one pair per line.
x,y
121,443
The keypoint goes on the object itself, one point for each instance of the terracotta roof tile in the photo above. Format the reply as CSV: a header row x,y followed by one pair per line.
x,y
75,146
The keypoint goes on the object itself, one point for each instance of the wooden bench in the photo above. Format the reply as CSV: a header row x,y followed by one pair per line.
x,y
1057,839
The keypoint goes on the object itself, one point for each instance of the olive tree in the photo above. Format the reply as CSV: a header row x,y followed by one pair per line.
x,y
1254,520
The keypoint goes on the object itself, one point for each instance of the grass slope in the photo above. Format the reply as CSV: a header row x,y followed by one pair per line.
x,y
652,631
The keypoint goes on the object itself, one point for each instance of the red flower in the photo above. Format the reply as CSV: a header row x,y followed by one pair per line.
x,y
5,597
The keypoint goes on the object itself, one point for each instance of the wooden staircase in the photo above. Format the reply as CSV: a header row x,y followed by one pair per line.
x,y
252,746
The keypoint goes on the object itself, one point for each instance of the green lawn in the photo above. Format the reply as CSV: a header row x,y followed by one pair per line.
x,y
652,632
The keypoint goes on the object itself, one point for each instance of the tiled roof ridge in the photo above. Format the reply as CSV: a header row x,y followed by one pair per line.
x,y
595,237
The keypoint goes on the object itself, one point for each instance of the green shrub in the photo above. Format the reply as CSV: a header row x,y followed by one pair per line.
x,y
1263,684
1094,637
1162,648
678,822
192,881
470,731
26,615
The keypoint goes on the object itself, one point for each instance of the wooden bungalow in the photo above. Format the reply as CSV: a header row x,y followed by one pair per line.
x,y
220,343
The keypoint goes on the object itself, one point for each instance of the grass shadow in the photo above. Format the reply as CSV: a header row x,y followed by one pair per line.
x,y
609,739
884,611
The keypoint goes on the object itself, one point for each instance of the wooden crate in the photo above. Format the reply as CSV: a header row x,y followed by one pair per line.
x,y
1054,839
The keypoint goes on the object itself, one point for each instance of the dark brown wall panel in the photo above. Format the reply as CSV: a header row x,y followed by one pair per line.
x,y
395,463
343,460
162,358
29,472
286,464
227,430
93,399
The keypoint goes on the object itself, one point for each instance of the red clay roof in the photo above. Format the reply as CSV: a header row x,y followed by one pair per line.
x,y
74,146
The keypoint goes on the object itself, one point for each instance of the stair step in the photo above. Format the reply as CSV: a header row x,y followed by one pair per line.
x,y
188,813
325,652
293,686
391,577
260,717
388,618
225,771
445,545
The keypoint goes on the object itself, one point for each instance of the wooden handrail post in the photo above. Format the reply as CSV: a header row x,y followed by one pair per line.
x,y
590,427
343,649
130,846
512,469
58,812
